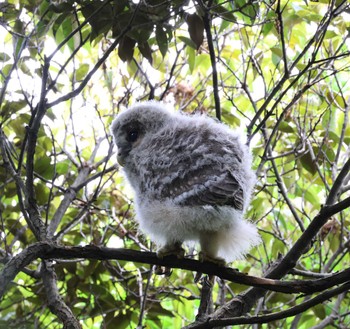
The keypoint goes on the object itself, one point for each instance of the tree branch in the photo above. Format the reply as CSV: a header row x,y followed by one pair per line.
x,y
17,263
55,302
47,251
338,184
245,302
215,322
37,224
281,32
206,21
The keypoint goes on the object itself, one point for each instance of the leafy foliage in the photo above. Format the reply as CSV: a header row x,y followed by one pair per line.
x,y
280,70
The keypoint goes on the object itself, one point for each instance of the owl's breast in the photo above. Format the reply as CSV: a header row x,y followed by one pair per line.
x,y
166,220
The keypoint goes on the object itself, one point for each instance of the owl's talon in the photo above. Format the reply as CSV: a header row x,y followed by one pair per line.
x,y
209,280
197,277
162,270
204,257
171,250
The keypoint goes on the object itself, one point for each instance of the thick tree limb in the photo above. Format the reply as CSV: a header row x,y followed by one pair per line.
x,y
55,302
211,323
19,262
48,251
206,301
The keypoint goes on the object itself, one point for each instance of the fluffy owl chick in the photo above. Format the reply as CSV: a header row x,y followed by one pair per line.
x,y
192,179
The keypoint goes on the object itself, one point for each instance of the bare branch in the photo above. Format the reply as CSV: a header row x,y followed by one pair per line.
x,y
243,304
215,322
55,302
281,32
338,184
17,263
283,190
206,21
205,305
49,251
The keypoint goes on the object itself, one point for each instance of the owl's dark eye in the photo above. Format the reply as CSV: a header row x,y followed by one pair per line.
x,y
132,136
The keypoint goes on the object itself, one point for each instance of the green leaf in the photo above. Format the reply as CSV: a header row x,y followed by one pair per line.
x,y
187,41
285,127
225,14
162,40
146,51
63,7
4,57
122,321
101,20
120,5
43,167
126,49
319,311
311,195
308,164
18,43
267,28
276,55
6,70
191,57
248,10
82,71
41,193
195,29
10,108
58,22
62,167
230,118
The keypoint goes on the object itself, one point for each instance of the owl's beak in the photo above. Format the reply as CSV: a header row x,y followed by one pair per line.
x,y
121,159
123,152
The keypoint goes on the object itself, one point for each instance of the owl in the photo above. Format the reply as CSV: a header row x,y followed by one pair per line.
x,y
192,180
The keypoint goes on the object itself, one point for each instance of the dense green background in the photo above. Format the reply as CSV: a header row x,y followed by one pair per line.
x,y
278,70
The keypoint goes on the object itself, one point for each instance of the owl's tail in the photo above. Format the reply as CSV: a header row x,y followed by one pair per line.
x,y
236,241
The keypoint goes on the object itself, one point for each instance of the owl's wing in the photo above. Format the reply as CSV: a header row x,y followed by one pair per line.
x,y
203,187
194,169
224,191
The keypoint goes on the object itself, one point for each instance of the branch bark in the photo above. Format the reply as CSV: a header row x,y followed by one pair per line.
x,y
206,21
211,323
55,302
48,251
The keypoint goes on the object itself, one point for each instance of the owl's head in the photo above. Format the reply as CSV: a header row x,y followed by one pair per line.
x,y
132,126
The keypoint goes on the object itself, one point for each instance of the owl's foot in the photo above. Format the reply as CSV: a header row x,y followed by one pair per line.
x,y
168,250
171,250
204,257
